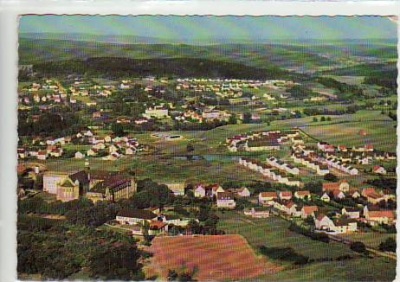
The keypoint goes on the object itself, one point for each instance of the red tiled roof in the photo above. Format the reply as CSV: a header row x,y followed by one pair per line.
x,y
286,194
388,214
303,193
268,194
330,186
310,209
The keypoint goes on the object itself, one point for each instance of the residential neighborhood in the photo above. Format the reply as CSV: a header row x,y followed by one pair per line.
x,y
164,152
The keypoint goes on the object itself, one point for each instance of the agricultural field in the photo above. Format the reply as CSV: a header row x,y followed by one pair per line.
x,y
273,232
359,269
219,258
370,239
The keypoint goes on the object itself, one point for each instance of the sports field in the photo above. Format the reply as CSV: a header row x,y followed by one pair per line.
x,y
217,258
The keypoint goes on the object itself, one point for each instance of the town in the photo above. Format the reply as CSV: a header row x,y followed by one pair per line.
x,y
196,168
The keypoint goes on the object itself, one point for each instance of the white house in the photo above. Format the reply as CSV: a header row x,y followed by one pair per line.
x,y
200,191
267,198
225,200
351,212
79,155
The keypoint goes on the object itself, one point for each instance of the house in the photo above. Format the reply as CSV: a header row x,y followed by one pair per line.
x,y
379,170
135,216
215,189
338,195
291,209
243,192
307,211
323,222
381,216
355,194
177,188
345,225
42,155
325,197
267,198
225,200
157,112
304,195
200,191
157,227
372,196
285,195
351,212
79,155
92,152
130,151
332,186
257,213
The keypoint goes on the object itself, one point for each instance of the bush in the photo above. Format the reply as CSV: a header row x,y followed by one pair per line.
x,y
389,245
358,247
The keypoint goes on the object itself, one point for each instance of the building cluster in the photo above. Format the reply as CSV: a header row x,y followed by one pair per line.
x,y
224,198
110,148
262,141
297,205
277,173
94,185
135,220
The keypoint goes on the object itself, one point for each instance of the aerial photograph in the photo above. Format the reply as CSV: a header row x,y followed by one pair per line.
x,y
207,148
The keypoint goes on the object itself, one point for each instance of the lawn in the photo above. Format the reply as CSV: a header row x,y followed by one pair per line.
x,y
273,232
370,239
360,269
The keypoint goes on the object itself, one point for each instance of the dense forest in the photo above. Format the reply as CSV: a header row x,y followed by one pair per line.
x,y
180,67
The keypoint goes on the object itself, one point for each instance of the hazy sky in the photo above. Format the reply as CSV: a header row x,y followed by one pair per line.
x,y
212,27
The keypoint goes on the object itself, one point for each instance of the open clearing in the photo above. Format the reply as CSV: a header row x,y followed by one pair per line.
x,y
219,257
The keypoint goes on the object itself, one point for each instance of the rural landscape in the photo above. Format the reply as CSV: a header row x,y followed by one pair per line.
x,y
196,148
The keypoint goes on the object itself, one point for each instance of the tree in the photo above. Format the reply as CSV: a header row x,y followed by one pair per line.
x,y
309,220
358,247
189,148
328,119
232,119
389,245
322,119
117,129
247,117
330,177
314,119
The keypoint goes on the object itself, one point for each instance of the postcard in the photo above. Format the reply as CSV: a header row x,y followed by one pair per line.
x,y
206,147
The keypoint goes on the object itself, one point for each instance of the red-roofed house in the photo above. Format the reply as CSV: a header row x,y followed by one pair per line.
x,y
332,186
379,170
308,210
267,198
285,195
290,209
302,194
385,216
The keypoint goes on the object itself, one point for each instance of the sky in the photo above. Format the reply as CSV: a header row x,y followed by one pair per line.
x,y
209,28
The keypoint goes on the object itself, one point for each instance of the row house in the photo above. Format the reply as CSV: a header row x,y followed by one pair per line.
x,y
257,212
282,166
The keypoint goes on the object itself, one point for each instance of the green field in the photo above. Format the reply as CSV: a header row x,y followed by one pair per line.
x,y
370,239
360,269
273,232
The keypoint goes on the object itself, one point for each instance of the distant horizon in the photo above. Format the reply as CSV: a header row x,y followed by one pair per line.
x,y
191,29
